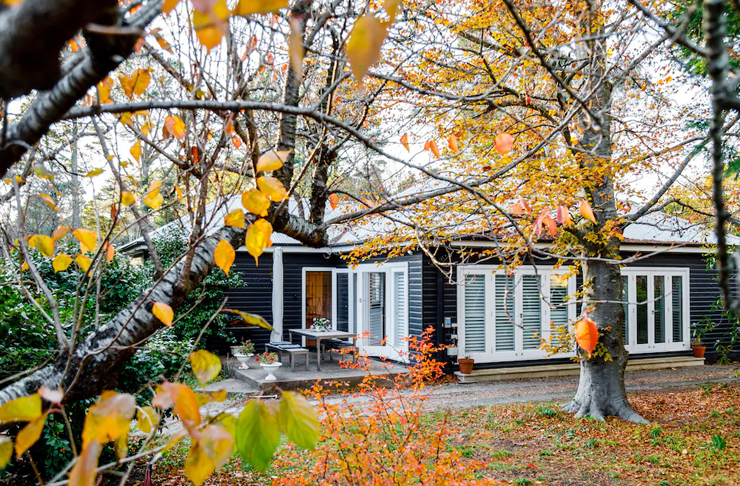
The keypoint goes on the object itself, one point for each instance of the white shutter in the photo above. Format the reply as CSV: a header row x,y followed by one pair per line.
x,y
531,312
558,294
504,297
399,308
677,304
659,308
376,308
475,313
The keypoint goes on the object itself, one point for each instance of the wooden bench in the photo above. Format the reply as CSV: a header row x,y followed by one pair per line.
x,y
293,350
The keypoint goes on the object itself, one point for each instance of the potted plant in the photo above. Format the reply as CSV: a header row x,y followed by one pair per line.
x,y
270,362
700,329
466,363
321,324
243,353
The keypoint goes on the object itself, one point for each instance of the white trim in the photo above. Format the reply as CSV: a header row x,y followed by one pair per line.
x,y
278,296
629,247
304,249
303,294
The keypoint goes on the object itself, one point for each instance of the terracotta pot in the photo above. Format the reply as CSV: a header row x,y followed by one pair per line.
x,y
466,365
699,351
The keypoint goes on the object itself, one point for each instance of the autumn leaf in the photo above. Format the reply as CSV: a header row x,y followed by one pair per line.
x,y
333,201
587,335
298,420
135,84
563,215
452,142
109,418
587,212
206,366
60,232
405,142
84,471
184,400
517,209
433,147
272,188
88,239
109,253
169,5
6,450
392,6
235,219
251,319
211,23
94,172
147,418
51,396
83,262
42,243
503,143
552,226
61,262
175,127
218,443
136,151
257,434
29,434
49,201
153,197
249,7
163,312
272,160
256,202
258,237
224,256
22,409
363,47
525,205
127,199
198,466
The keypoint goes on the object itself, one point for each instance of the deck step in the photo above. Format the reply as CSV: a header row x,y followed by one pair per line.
x,y
569,369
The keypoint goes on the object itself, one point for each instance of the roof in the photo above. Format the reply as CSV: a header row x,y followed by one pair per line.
x,y
652,229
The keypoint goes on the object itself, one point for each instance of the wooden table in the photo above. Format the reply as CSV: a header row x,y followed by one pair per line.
x,y
323,335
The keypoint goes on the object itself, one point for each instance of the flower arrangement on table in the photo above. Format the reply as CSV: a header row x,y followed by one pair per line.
x,y
267,358
321,324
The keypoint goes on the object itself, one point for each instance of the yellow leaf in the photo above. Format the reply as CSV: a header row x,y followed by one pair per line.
x,y
127,199
88,239
248,7
125,119
251,319
184,400
23,409
363,48
256,202
405,142
217,443
147,418
178,192
272,160
258,237
211,25
83,262
153,198
169,5
6,450
206,366
109,418
83,473
42,243
392,6
94,172
141,80
235,219
175,126
587,212
198,466
163,312
49,201
29,435
61,262
136,150
224,256
60,232
272,188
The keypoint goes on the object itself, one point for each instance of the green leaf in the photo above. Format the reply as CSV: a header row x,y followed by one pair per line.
x,y
299,421
257,434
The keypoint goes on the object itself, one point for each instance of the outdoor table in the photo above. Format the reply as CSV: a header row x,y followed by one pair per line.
x,y
322,335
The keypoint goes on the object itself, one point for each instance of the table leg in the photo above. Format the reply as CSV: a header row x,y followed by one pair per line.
x,y
318,353
354,353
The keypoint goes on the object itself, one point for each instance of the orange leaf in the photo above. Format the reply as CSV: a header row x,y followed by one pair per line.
x,y
587,212
169,5
552,226
256,202
433,147
333,201
272,160
426,145
61,231
84,471
405,142
517,209
563,215
272,188
235,219
109,253
248,7
224,256
587,335
503,143
163,312
452,142
525,205
175,126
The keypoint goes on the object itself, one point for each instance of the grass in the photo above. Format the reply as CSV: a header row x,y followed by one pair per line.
x,y
686,443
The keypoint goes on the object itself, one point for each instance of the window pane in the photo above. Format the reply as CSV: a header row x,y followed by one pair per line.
x,y
558,296
342,323
659,306
677,303
318,296
531,311
475,314
626,298
376,321
504,313
641,282
399,306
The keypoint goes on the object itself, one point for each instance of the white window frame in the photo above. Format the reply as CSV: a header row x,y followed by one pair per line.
x,y
489,272
631,318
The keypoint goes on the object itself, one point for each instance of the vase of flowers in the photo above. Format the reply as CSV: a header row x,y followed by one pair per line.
x,y
243,353
270,362
321,324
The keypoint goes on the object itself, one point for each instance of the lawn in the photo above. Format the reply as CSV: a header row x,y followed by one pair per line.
x,y
693,439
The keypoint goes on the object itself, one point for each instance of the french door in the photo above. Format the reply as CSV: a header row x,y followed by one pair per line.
x,y
656,309
505,317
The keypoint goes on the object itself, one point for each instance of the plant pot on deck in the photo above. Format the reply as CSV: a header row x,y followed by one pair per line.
x,y
698,351
466,365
